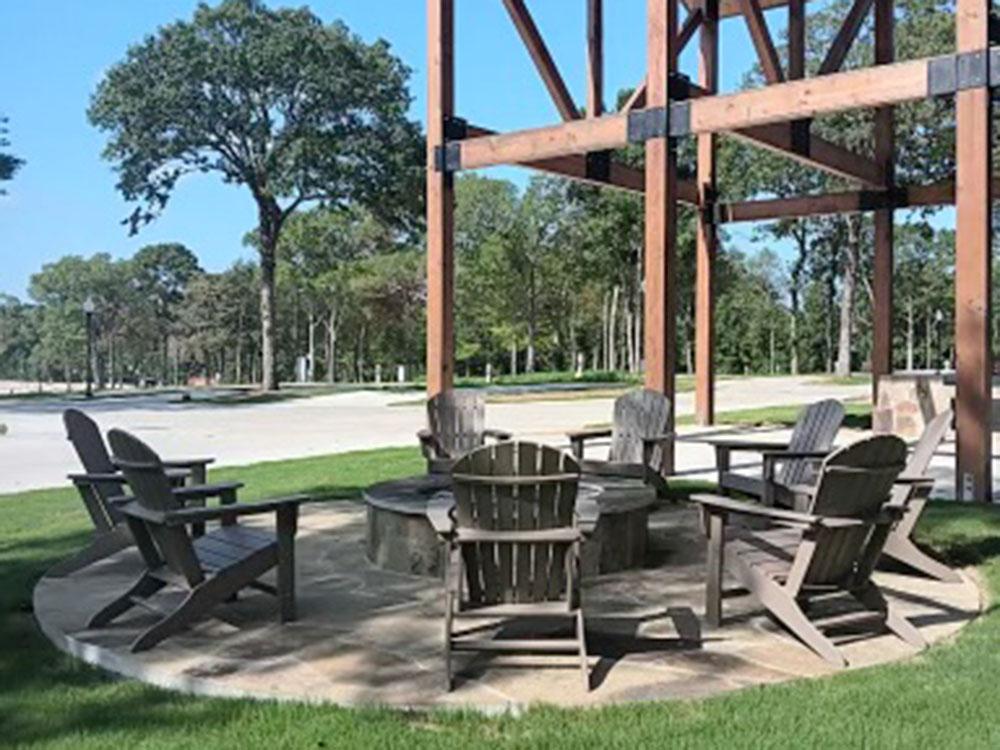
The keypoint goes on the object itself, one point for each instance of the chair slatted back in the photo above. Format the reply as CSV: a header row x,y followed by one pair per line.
x,y
85,435
637,415
151,487
854,482
815,430
494,492
920,459
457,419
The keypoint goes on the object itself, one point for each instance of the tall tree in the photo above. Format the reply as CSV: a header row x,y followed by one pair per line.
x,y
295,110
9,163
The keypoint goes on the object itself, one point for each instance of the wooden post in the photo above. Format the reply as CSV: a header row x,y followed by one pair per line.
x,y
881,357
595,58
972,267
661,215
706,242
440,198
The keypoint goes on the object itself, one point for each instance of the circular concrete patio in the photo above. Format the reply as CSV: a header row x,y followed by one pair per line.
x,y
368,636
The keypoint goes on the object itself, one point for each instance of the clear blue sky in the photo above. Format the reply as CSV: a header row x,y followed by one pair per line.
x,y
54,52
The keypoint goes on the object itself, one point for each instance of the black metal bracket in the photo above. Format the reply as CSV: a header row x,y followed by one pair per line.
x,y
680,119
950,74
598,166
659,122
448,158
647,123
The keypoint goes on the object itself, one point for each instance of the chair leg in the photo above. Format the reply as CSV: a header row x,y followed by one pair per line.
x,y
105,545
790,614
872,598
287,522
903,550
449,616
581,637
143,588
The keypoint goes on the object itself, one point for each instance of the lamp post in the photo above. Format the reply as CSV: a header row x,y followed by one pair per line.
x,y
88,314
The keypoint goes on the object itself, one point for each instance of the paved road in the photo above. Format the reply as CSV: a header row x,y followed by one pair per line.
x,y
35,452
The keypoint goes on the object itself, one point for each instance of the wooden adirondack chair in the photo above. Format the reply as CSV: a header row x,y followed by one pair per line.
x,y
102,487
900,545
788,468
212,568
831,549
638,436
456,425
513,547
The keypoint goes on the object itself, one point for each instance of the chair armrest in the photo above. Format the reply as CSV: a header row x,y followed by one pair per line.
x,y
185,516
501,435
188,463
578,438
784,455
725,505
201,491
589,434
93,478
440,514
756,446
914,481
429,445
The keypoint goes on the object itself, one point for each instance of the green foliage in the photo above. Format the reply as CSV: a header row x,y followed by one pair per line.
x,y
9,164
297,111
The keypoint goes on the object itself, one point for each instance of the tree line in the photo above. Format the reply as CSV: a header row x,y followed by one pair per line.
x,y
548,273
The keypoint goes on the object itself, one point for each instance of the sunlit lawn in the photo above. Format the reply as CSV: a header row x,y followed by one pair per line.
x,y
944,698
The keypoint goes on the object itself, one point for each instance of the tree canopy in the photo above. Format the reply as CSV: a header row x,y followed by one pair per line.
x,y
296,110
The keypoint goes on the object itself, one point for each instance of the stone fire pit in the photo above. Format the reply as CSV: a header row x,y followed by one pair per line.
x,y
399,535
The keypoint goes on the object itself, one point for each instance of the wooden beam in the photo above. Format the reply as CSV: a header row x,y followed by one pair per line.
x,y
660,327
691,25
620,176
770,63
813,151
532,39
793,100
973,267
800,129
781,102
850,201
730,8
595,58
845,37
706,240
440,198
882,266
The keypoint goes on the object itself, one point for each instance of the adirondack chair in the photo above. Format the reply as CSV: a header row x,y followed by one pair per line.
x,y
212,568
788,468
102,487
639,435
831,549
455,422
514,542
900,546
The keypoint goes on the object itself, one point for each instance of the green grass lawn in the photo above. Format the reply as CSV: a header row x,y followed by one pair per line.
x,y
946,697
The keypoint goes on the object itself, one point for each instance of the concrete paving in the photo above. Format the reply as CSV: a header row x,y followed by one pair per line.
x,y
367,636
34,453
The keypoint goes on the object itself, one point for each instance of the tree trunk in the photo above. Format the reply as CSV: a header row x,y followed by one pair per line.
x,y
613,329
843,366
312,346
798,266
909,333
513,357
331,347
269,228
529,357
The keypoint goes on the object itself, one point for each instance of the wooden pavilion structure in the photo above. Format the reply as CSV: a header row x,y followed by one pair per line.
x,y
667,107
